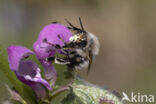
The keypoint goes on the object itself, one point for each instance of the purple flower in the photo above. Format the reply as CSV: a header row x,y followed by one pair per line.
x,y
44,47
27,71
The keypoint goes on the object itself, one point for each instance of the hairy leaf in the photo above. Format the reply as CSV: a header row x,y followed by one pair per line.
x,y
83,92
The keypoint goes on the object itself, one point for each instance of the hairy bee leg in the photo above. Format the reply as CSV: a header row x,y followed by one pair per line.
x,y
56,47
61,61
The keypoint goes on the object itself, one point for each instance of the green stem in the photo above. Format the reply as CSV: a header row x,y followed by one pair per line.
x,y
65,88
58,91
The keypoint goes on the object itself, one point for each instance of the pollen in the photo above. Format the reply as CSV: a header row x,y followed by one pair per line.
x,y
75,38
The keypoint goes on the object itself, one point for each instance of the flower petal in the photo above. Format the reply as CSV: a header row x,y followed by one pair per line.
x,y
50,72
53,34
16,54
29,73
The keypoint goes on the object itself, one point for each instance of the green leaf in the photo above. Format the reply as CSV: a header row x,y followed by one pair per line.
x,y
72,99
82,92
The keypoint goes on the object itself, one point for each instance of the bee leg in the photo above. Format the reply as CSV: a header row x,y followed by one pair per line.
x,y
61,60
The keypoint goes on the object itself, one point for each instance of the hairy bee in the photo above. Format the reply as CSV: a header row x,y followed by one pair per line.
x,y
81,50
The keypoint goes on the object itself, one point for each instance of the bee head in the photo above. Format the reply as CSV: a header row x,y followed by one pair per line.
x,y
80,35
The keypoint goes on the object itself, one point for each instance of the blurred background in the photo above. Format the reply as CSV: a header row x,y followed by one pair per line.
x,y
126,30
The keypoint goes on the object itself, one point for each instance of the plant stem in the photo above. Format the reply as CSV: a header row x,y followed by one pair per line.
x,y
60,90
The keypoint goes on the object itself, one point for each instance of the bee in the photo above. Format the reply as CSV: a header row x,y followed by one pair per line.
x,y
80,51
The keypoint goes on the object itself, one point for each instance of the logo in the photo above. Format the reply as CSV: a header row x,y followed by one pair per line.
x,y
138,98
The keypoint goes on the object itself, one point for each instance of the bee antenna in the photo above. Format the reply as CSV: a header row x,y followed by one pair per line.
x,y
81,24
75,28
69,23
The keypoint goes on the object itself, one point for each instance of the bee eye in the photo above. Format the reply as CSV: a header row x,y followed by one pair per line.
x,y
84,43
72,44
